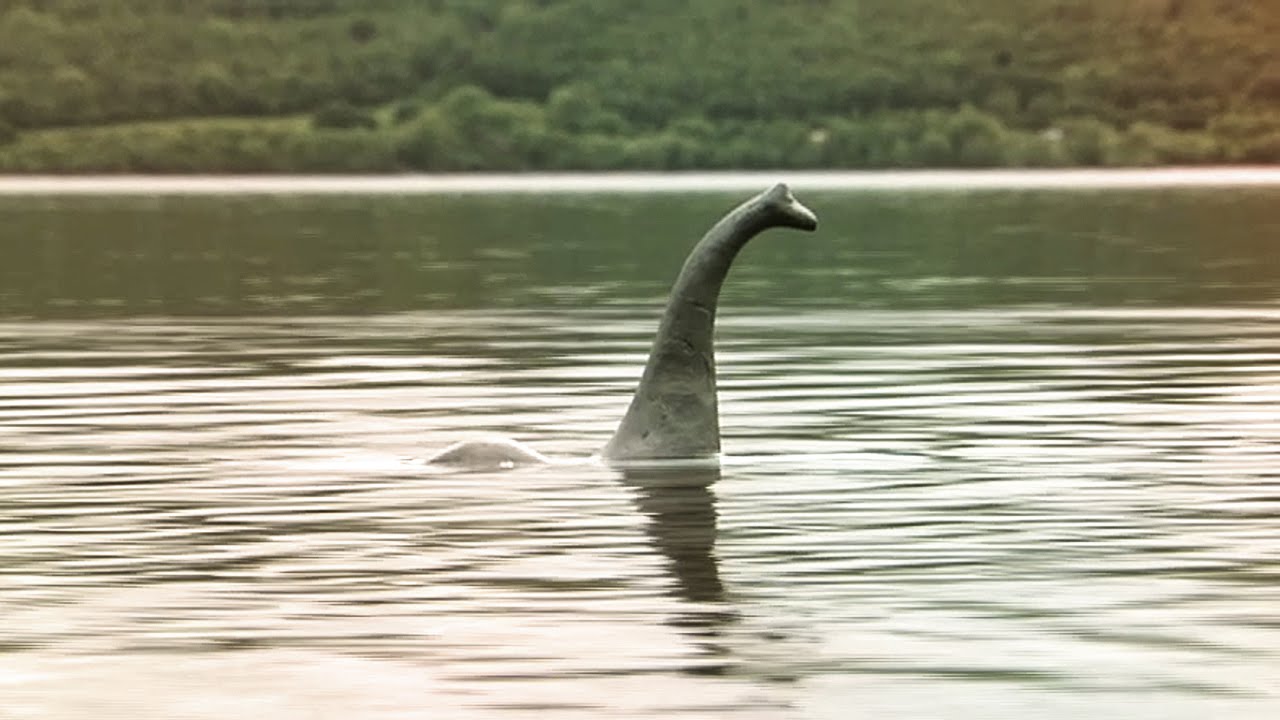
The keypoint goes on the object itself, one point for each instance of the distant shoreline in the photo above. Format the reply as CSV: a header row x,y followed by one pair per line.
x,y
640,182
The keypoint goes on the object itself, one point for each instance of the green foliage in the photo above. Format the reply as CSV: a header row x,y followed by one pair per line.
x,y
977,138
1088,141
362,30
1038,150
215,89
430,143
1265,89
342,115
472,130
599,84
8,133
339,151
1245,135
1151,144
1264,149
405,111
578,109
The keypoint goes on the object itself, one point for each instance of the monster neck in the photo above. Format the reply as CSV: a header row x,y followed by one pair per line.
x,y
674,412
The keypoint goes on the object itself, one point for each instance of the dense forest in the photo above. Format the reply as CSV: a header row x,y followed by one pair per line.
x,y
467,85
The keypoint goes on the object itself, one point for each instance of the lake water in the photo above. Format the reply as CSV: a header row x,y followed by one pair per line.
x,y
989,453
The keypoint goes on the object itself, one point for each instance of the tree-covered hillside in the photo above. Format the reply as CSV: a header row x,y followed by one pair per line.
x,y
449,85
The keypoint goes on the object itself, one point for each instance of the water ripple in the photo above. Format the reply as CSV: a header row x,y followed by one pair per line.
x,y
1025,510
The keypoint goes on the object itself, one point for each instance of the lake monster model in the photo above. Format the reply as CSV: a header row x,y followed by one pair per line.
x,y
674,413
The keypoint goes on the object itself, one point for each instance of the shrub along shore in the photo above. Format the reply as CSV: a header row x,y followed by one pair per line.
x,y
248,86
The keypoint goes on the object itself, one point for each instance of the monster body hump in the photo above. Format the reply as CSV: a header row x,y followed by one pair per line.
x,y
491,453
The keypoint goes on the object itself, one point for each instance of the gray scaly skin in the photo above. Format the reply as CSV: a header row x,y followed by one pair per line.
x,y
674,412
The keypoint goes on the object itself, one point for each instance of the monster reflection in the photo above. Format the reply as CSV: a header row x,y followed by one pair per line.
x,y
681,510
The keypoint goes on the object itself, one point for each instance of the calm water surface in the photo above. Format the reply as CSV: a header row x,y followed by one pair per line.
x,y
988,455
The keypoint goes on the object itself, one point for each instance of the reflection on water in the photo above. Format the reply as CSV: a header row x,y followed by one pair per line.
x,y
682,523
680,507
998,509
77,257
